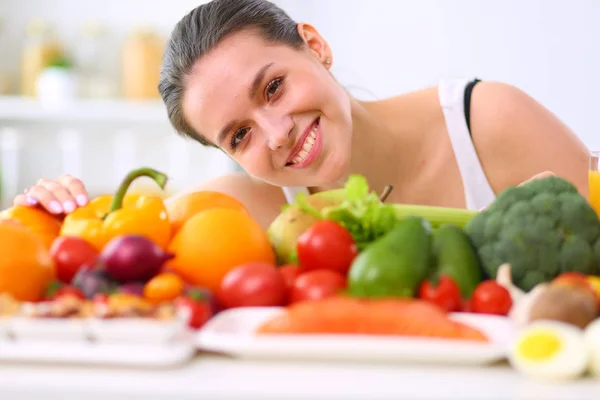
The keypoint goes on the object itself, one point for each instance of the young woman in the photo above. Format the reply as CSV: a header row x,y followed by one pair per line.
x,y
240,75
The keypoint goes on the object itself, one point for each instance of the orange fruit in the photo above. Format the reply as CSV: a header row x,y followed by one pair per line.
x,y
26,267
164,287
182,208
213,242
41,222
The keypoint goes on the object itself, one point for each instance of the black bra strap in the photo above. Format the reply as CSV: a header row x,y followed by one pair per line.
x,y
468,90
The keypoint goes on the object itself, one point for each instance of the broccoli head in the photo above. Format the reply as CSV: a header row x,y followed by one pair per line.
x,y
541,229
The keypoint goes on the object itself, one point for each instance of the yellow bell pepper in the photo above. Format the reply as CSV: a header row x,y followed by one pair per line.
x,y
108,216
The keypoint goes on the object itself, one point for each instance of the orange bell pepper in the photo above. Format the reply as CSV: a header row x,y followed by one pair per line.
x,y
44,224
108,216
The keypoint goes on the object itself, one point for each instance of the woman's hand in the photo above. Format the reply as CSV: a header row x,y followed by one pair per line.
x,y
541,175
544,174
60,196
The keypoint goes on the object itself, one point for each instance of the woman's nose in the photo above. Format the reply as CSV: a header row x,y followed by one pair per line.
x,y
278,133
278,139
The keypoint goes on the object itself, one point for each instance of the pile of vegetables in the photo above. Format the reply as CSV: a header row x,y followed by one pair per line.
x,y
541,229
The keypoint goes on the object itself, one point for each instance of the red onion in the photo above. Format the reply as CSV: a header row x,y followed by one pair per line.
x,y
131,258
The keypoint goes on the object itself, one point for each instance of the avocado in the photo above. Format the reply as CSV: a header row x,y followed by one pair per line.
x,y
456,257
395,264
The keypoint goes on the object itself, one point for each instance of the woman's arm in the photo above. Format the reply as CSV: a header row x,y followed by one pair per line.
x,y
517,138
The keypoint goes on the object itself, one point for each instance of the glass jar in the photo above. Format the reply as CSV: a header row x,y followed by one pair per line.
x,y
142,57
41,48
5,87
94,62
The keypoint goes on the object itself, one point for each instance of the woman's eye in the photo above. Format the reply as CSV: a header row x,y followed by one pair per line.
x,y
273,87
238,137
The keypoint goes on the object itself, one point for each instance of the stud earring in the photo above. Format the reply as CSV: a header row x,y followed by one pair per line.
x,y
327,61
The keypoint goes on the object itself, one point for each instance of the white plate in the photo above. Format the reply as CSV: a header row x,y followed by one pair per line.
x,y
83,353
135,331
48,329
4,332
232,332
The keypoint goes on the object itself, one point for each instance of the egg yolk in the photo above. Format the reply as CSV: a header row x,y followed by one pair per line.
x,y
539,345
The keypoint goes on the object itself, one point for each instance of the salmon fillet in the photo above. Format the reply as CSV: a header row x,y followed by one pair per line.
x,y
345,315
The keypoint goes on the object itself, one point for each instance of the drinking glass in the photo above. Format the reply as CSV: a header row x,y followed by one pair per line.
x,y
594,181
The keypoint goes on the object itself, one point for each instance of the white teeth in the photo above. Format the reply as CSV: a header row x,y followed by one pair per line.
x,y
307,146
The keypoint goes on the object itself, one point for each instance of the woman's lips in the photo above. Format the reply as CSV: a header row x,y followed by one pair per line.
x,y
309,148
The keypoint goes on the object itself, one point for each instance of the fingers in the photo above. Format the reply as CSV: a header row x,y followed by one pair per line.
x,y
61,196
541,175
52,197
24,200
76,188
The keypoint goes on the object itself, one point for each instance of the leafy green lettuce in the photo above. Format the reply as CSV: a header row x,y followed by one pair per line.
x,y
361,212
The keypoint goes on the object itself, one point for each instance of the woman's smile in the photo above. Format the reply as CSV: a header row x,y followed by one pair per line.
x,y
308,147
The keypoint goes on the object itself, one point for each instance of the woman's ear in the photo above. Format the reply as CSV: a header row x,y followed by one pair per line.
x,y
315,43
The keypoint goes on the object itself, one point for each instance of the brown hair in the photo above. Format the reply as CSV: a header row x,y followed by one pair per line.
x,y
200,31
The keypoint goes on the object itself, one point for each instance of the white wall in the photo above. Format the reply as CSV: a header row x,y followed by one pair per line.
x,y
549,48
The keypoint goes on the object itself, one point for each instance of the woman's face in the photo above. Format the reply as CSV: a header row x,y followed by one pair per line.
x,y
276,110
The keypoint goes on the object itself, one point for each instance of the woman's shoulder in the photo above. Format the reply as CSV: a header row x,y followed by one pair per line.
x,y
263,201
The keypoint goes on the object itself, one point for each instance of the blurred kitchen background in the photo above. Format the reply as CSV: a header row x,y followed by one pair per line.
x,y
78,78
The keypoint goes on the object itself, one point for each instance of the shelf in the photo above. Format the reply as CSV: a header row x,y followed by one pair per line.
x,y
15,108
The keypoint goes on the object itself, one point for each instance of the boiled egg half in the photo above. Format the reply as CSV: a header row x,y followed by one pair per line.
x,y
592,340
549,350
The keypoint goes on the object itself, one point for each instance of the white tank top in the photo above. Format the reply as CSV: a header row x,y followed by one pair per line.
x,y
478,192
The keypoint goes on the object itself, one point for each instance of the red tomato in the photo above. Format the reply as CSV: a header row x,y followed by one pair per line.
x,y
252,285
289,272
446,294
69,255
491,298
317,284
100,299
326,245
199,309
64,291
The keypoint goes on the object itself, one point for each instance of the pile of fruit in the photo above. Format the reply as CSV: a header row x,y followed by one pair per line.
x,y
127,255
341,261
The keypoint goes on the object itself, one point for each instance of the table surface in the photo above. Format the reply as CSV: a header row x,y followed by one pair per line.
x,y
217,377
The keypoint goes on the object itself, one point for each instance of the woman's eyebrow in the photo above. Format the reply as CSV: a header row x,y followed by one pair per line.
x,y
258,78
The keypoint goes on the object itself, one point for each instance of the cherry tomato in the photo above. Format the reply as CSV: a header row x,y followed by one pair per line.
x,y
317,284
100,299
445,294
163,287
491,298
289,272
70,254
56,290
252,285
326,245
198,307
